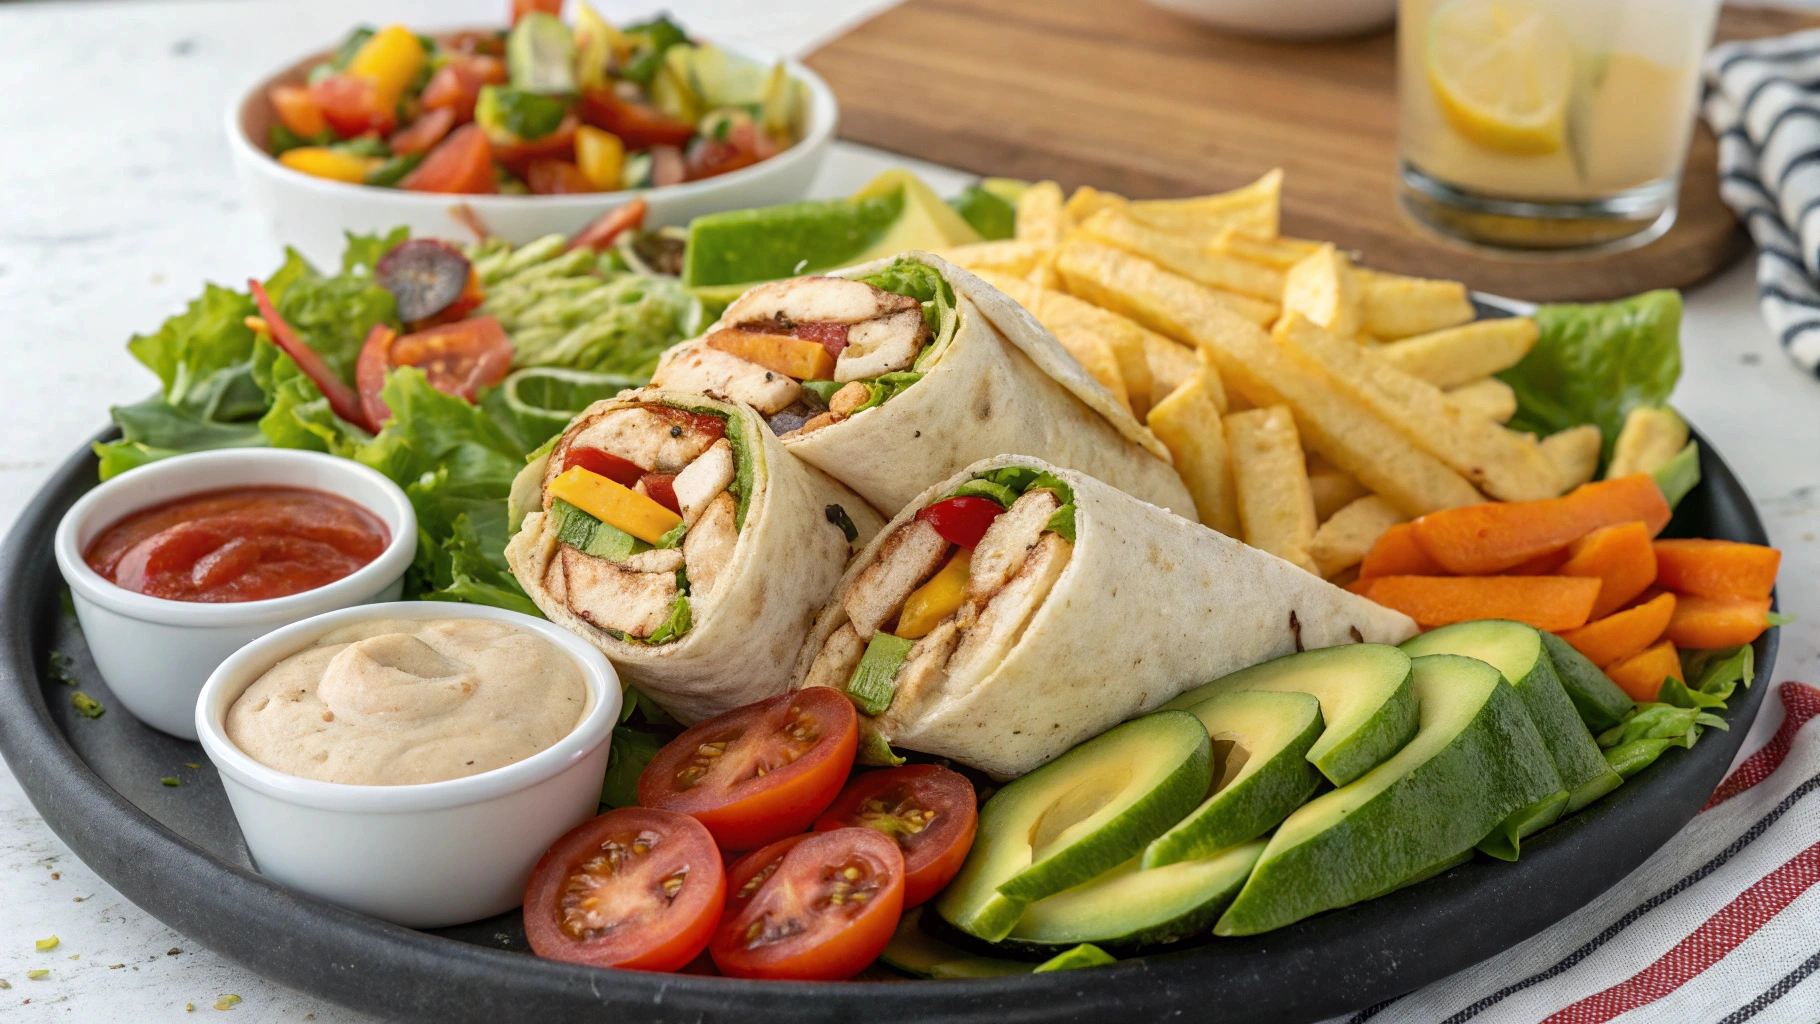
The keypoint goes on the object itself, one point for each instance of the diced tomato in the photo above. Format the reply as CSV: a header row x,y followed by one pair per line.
x,y
423,133
343,402
558,145
743,146
624,472
667,166
760,772
351,106
832,337
458,359
601,232
661,487
931,813
556,178
637,125
456,85
461,164
819,909
962,520
297,110
635,888
520,8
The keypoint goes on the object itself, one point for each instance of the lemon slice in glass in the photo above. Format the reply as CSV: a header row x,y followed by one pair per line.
x,y
1503,72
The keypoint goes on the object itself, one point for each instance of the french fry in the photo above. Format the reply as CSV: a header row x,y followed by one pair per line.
x,y
1187,421
1649,438
1333,489
1089,347
1087,201
1172,364
1276,509
1343,540
1460,355
1185,256
1392,306
1504,464
1040,217
1281,253
1009,256
1488,397
1255,369
1254,210
1321,287
1575,453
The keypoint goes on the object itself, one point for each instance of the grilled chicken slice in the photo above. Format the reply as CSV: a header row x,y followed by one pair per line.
x,y
655,560
696,367
707,476
708,547
884,345
999,626
905,560
611,596
815,300
925,669
641,437
837,660
1010,538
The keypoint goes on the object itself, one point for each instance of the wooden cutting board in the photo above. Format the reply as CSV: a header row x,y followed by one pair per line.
x,y
1123,96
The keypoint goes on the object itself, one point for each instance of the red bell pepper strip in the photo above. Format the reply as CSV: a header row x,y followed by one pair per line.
x,y
342,399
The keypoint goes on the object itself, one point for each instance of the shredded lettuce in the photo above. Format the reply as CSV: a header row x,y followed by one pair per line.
x,y
1680,711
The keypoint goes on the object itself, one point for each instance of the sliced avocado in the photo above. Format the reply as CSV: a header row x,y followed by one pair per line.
x,y
917,953
1600,702
1475,758
1516,650
1084,955
590,536
992,217
1084,813
540,54
1365,695
927,222
1261,740
1426,873
1137,906
874,679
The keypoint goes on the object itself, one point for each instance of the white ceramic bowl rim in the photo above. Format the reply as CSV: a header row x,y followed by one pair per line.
x,y
244,666
400,518
821,122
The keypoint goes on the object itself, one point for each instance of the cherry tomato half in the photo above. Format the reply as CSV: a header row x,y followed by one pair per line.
x,y
460,164
962,520
351,105
636,888
458,359
637,125
930,811
425,132
624,472
811,908
456,85
558,145
757,773
600,232
556,178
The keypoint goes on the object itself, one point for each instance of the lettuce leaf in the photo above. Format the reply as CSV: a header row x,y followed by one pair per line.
x,y
331,314
190,351
363,252
1596,362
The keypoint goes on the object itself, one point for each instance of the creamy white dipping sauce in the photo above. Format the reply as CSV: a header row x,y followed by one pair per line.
x,y
394,702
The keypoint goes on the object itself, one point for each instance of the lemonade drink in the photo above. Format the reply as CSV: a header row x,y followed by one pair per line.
x,y
1548,123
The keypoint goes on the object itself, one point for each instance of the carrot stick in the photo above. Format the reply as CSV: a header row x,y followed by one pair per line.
x,y
1619,555
1717,568
1553,603
1703,622
1396,553
1482,539
1622,634
1641,675
1542,565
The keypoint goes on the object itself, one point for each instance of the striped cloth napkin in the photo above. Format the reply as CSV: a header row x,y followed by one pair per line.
x,y
1763,102
1699,933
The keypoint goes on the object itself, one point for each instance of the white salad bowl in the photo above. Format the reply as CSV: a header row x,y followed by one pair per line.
x,y
1288,19
311,214
155,653
425,855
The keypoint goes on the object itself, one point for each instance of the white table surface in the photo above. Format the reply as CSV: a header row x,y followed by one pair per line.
x,y
118,202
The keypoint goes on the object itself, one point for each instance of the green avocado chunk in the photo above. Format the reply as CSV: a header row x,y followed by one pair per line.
x,y
1084,955
1082,814
1132,905
1261,740
1475,758
1600,702
1366,702
917,953
990,215
590,536
874,679
741,247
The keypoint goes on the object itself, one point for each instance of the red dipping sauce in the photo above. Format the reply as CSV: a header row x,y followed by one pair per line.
x,y
241,544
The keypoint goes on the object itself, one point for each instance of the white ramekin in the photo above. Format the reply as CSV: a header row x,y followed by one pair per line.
x,y
426,855
154,653
311,214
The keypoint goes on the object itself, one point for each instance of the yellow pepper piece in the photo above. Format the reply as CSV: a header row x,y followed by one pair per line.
x,y
935,600
614,504
323,162
596,43
601,157
391,60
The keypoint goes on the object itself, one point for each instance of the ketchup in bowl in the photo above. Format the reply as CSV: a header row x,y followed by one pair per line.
x,y
240,544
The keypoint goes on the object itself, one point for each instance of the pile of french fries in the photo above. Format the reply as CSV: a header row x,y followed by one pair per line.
x,y
1310,404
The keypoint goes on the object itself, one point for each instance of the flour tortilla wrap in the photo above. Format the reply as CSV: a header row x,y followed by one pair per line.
x,y
744,632
1148,605
1002,384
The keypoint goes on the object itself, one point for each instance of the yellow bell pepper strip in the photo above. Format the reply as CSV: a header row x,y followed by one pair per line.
x,y
391,60
323,162
779,353
935,600
597,43
614,504
601,157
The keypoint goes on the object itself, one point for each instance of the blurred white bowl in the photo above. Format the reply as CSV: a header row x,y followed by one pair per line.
x,y
1288,19
311,213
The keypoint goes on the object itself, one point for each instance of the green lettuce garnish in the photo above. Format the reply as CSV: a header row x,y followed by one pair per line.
x,y
1680,711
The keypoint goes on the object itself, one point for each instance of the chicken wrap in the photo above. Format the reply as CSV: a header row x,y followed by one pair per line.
x,y
892,375
1017,608
673,532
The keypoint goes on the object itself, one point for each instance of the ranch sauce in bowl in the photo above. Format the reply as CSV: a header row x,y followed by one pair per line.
x,y
396,702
